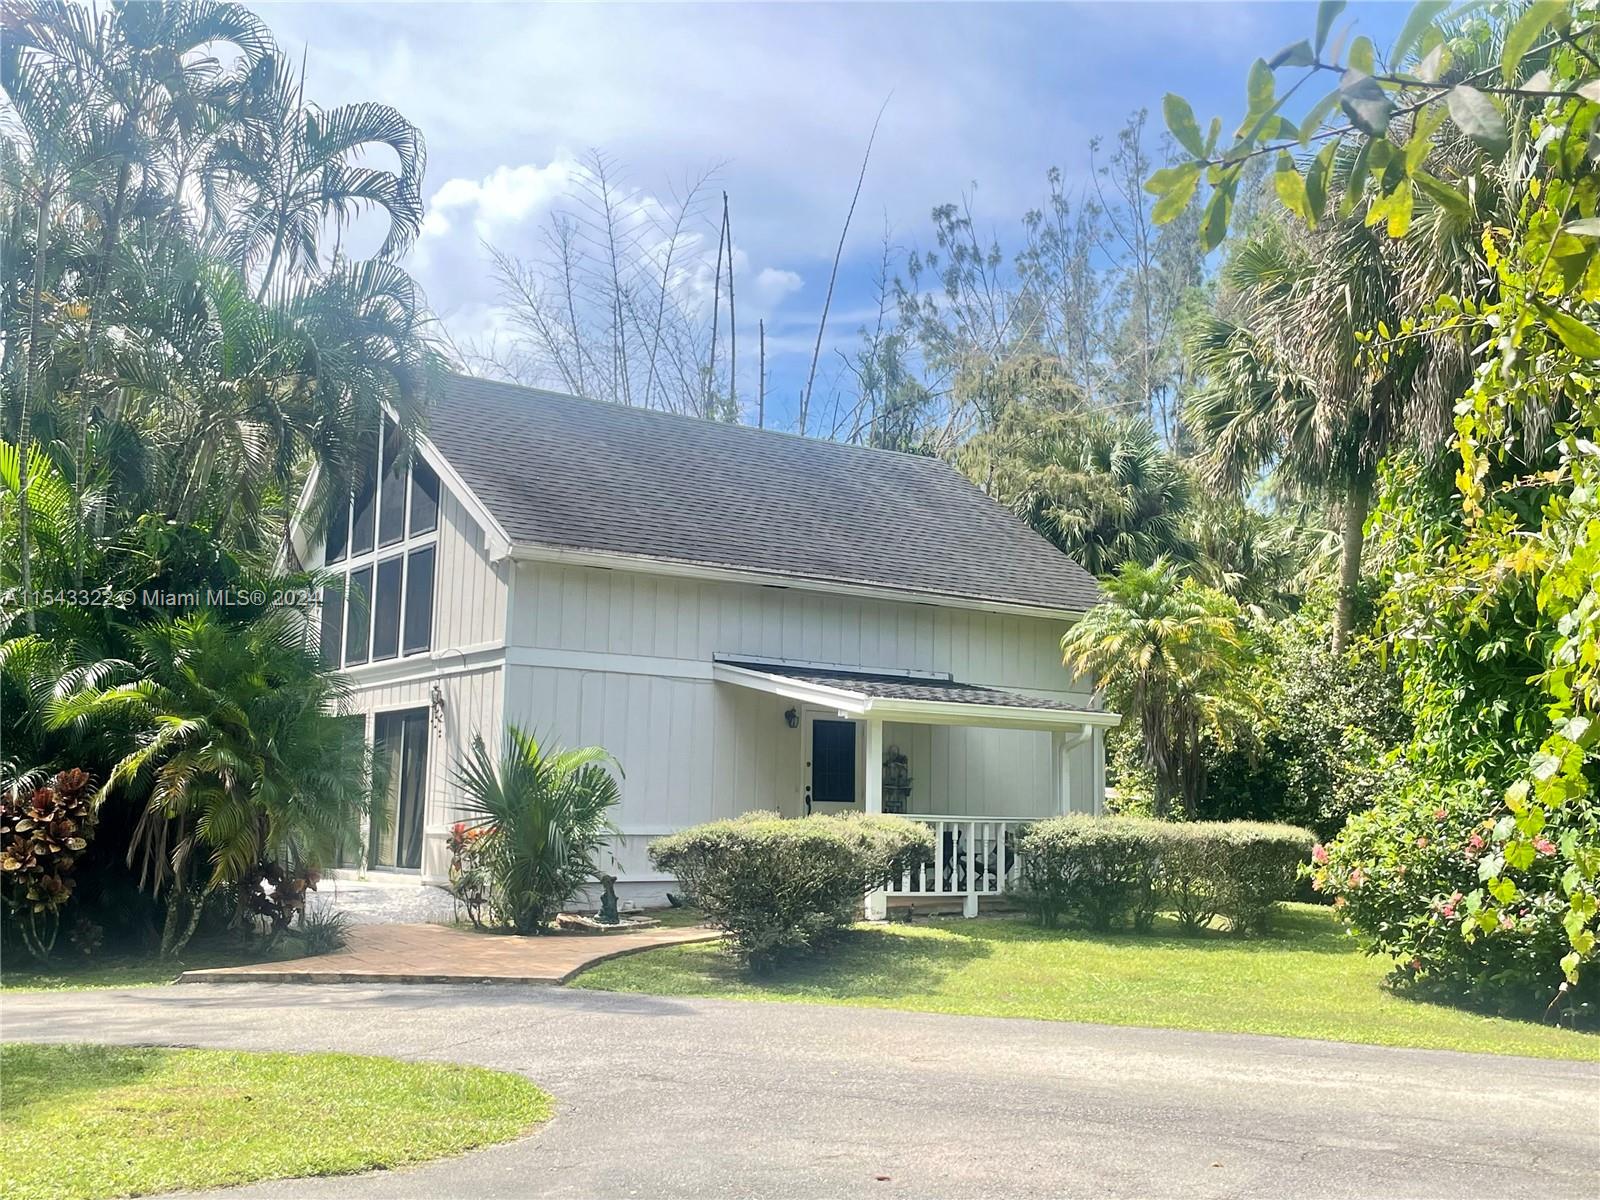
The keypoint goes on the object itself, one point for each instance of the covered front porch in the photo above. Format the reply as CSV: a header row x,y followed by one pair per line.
x,y
850,720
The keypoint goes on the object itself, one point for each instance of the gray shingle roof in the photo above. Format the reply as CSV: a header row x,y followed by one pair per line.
x,y
900,687
561,471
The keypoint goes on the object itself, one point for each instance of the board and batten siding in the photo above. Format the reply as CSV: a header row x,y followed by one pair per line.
x,y
623,659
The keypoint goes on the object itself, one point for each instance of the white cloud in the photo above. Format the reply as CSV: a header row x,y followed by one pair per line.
x,y
506,196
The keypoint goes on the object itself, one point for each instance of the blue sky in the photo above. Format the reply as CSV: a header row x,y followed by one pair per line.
x,y
779,99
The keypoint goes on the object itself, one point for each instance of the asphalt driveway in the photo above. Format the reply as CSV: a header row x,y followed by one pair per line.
x,y
672,1097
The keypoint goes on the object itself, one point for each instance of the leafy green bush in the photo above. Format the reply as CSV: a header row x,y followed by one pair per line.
x,y
1108,871
545,817
1100,870
1258,865
1315,755
778,886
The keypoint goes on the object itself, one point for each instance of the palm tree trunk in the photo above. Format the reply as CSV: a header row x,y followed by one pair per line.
x,y
1357,501
24,425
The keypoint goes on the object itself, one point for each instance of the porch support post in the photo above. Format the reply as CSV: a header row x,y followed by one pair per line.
x,y
877,904
1098,787
1060,777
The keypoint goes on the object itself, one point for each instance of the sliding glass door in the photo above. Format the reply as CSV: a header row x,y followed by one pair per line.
x,y
400,742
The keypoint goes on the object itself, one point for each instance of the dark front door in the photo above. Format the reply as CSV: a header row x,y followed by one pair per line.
x,y
400,740
831,780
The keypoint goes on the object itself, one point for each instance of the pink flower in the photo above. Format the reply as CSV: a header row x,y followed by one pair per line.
x,y
1449,909
1544,846
1422,843
1357,877
1507,923
1338,901
1416,964
1439,814
1319,853
1476,842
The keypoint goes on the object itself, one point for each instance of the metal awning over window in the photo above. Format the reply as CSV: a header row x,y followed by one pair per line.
x,y
917,699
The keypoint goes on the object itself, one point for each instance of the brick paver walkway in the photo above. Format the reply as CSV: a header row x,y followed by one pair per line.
x,y
439,954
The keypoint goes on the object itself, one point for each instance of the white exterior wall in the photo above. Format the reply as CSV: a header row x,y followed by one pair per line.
x,y
623,659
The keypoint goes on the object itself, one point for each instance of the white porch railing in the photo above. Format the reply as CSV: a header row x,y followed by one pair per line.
x,y
972,856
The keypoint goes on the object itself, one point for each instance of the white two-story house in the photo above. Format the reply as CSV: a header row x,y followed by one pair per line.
x,y
745,619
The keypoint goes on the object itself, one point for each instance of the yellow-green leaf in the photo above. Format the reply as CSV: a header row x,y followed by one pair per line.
x,y
1291,188
1177,195
1181,122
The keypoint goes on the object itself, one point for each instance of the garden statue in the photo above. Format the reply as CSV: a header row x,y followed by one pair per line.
x,y
608,901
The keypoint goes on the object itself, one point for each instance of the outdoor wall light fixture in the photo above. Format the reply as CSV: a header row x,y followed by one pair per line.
x,y
791,719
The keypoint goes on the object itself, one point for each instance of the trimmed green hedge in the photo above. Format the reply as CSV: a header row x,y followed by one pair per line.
x,y
777,886
1106,872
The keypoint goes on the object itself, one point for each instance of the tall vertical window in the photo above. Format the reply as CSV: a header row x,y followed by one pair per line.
x,y
332,605
386,609
361,519
419,600
338,539
392,487
358,617
400,742
424,497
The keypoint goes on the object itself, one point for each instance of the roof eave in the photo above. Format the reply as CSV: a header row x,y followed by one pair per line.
x,y
685,569
912,712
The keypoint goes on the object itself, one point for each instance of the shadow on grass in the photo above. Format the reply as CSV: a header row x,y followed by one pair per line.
x,y
44,1076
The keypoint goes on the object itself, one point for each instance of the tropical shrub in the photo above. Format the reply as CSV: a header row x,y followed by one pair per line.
x,y
469,882
1101,871
240,762
323,929
543,815
779,887
1418,869
42,833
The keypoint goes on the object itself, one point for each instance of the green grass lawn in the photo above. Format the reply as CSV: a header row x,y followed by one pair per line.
x,y
1307,980
83,1122
68,971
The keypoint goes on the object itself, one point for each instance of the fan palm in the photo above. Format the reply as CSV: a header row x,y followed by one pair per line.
x,y
545,811
1171,652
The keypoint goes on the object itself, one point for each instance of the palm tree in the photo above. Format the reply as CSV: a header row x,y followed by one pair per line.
x,y
240,757
291,168
546,813
1099,486
1171,652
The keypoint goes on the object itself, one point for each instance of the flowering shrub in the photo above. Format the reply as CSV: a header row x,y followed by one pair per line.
x,y
41,835
1418,876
